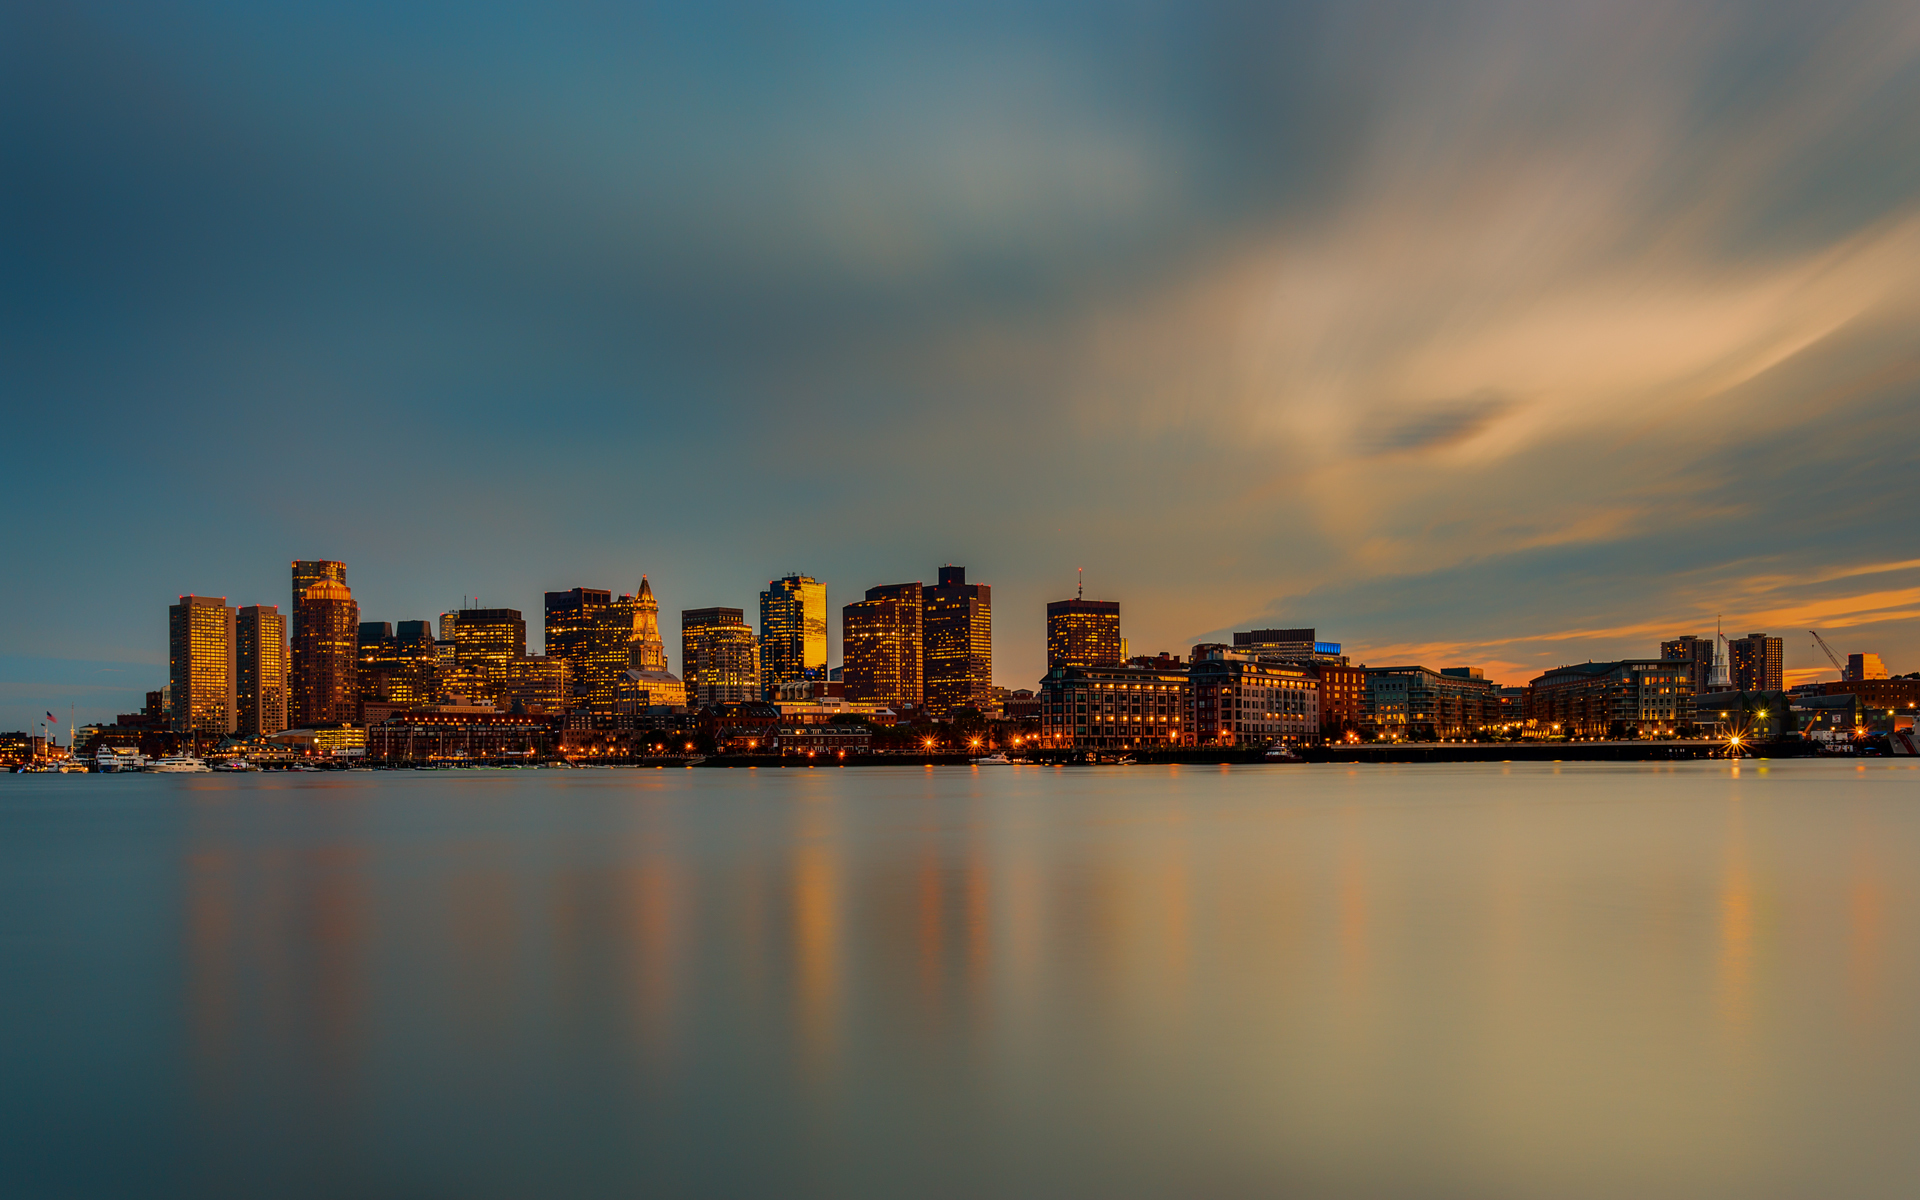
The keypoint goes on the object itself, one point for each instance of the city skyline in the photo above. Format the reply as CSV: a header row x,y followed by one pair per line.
x,y
1503,334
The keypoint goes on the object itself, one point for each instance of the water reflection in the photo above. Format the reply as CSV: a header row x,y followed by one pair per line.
x,y
1513,981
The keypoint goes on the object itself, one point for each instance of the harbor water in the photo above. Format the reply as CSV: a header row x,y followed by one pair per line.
x,y
1452,980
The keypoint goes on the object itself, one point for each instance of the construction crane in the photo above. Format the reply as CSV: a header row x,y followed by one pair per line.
x,y
1828,651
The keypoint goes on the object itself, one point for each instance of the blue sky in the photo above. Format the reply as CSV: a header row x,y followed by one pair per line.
x,y
1496,333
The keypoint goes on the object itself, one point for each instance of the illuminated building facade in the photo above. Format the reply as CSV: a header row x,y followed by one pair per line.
x,y
1245,700
569,626
263,670
793,631
201,665
1758,663
1343,697
882,644
1084,633
1114,709
537,684
1421,704
1697,653
398,669
1632,697
306,573
486,644
1862,667
719,657
625,660
957,636
326,645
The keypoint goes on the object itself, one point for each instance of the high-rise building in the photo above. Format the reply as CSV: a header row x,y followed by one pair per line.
x,y
326,646
486,644
568,630
624,657
1862,667
400,668
957,633
793,631
719,657
883,646
537,684
262,670
1697,653
1083,633
1758,663
306,573
201,665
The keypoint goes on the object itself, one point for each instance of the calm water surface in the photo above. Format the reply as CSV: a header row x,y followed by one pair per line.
x,y
1439,981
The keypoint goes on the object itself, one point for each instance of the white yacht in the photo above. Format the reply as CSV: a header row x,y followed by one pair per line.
x,y
111,760
178,763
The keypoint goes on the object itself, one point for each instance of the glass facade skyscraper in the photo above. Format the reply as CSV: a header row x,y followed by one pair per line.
x,y
793,632
719,659
957,632
201,665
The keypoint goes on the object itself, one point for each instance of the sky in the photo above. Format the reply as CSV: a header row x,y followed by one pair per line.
x,y
1505,334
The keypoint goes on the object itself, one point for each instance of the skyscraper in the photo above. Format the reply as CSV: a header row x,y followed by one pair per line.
x,y
957,633
201,665
326,644
486,644
398,668
262,669
568,629
1083,633
306,573
1758,663
625,657
793,631
1862,667
882,644
719,657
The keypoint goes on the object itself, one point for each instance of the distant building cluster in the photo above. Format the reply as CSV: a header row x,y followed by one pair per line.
x,y
916,675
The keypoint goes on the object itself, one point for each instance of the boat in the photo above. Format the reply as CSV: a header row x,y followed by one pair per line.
x,y
1280,752
558,764
235,764
111,760
174,764
993,760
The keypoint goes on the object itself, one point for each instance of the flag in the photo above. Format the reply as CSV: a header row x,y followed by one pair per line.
x,y
54,719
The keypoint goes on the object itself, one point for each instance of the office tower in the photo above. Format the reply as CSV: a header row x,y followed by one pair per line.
x,y
569,626
625,656
326,645
201,665
538,684
719,657
1697,653
957,633
306,573
1757,662
400,667
262,669
882,643
486,644
1083,633
1862,667
793,631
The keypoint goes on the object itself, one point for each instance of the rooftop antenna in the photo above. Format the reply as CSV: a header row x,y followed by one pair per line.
x,y
1080,591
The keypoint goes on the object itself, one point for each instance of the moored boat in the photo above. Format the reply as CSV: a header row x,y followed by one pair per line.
x,y
175,764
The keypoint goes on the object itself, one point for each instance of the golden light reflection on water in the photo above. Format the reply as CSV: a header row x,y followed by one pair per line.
x,y
1274,970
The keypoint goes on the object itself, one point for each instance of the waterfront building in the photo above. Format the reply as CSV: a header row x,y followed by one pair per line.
x,y
398,669
568,629
1343,697
1115,709
1634,697
326,675
201,665
1084,633
883,645
1697,652
793,631
957,636
1286,645
306,573
263,670
1244,700
486,644
1899,695
719,657
452,734
1861,667
1758,663
1415,703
